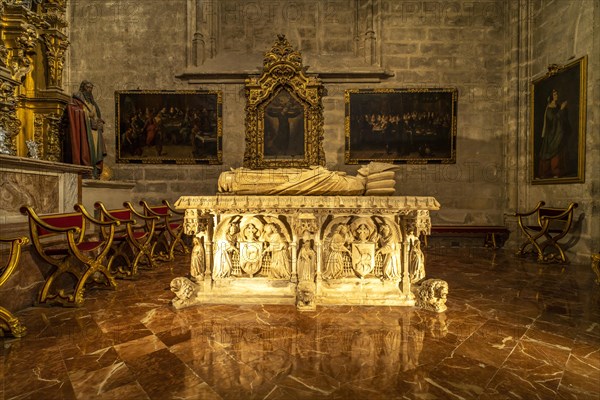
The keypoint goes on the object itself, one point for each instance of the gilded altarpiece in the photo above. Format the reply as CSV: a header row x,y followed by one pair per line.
x,y
32,54
284,113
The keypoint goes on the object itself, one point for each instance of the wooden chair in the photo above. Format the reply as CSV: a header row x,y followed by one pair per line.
x,y
543,227
169,230
77,257
132,242
8,322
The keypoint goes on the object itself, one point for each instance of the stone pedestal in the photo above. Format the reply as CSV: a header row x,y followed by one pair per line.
x,y
307,250
47,186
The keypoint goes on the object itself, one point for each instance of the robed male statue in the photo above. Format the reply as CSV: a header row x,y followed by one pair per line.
x,y
83,141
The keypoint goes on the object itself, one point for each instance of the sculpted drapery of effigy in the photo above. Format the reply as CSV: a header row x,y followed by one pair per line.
x,y
314,181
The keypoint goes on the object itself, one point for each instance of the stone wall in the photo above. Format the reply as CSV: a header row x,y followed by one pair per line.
x,y
557,32
424,44
474,46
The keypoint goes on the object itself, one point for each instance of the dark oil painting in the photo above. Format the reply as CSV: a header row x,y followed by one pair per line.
x,y
169,127
284,127
558,104
401,125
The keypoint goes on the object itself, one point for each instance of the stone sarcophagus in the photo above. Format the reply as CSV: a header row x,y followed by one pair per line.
x,y
304,250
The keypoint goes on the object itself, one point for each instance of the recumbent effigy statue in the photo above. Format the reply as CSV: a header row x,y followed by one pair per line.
x,y
375,179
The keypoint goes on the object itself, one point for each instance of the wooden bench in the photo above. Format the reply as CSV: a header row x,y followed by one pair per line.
x,y
169,238
132,242
76,252
8,322
494,236
543,227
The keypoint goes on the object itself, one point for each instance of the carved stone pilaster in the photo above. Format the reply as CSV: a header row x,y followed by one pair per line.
x,y
306,226
417,222
191,223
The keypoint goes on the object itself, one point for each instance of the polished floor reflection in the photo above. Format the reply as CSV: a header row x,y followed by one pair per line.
x,y
513,329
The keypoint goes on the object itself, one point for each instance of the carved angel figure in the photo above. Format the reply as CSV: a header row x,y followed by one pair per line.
x,y
416,258
387,248
225,251
307,258
334,266
198,265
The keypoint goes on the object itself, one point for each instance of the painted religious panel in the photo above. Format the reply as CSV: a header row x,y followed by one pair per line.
x,y
284,127
558,104
284,113
167,127
401,125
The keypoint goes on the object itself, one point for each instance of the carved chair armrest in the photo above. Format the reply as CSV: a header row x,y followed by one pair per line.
x,y
562,215
150,210
175,219
107,215
122,216
34,219
107,232
149,221
80,208
13,256
558,224
39,230
535,210
522,216
173,209
139,215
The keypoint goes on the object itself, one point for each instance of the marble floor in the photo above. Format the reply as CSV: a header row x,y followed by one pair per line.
x,y
513,330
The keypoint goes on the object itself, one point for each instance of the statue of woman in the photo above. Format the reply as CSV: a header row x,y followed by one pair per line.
x,y
198,266
307,258
277,246
416,259
334,266
387,248
227,247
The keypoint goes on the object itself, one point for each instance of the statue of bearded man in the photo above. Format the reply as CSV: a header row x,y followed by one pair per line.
x,y
84,143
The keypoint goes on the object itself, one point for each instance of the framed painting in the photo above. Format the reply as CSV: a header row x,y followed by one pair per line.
x,y
401,126
558,112
168,127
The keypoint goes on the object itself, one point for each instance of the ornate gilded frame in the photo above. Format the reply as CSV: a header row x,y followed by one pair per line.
x,y
284,113
401,126
563,161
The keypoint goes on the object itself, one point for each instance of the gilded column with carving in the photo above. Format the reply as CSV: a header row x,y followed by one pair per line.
x,y
32,55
